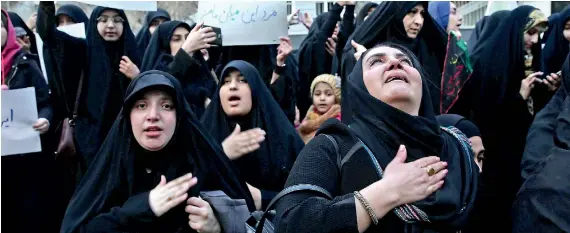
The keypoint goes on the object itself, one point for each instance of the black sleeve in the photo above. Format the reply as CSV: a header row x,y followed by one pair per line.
x,y
266,197
283,91
134,215
307,212
328,28
182,65
36,79
346,30
46,27
540,138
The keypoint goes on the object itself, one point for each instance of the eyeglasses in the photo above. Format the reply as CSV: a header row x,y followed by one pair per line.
x,y
115,19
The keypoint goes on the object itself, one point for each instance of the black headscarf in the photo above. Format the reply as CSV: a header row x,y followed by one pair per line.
x,y
17,21
540,138
158,54
385,24
364,12
111,179
271,163
104,85
197,86
262,57
74,12
143,36
485,27
384,128
556,47
459,122
501,78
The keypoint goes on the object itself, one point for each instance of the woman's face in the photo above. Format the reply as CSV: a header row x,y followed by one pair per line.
x,y
414,21
63,20
153,120
531,37
567,30
478,151
155,23
4,35
110,25
455,19
323,97
178,37
235,94
390,77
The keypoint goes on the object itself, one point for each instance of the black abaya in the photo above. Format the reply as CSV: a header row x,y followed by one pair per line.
x,y
17,21
143,36
556,47
114,194
485,27
382,128
191,71
268,167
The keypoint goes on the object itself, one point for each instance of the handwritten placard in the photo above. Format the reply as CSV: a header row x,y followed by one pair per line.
x,y
126,5
19,114
245,23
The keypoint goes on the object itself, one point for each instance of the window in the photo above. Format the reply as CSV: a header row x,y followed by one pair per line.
x,y
289,8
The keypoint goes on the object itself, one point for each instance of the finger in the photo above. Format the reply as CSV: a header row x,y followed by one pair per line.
x,y
127,59
550,79
437,166
162,181
400,155
432,188
209,35
206,30
197,211
182,188
424,162
535,74
198,202
179,180
237,130
198,26
210,39
196,223
438,176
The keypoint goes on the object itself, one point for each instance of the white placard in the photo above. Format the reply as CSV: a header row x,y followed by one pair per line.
x,y
19,114
245,23
75,30
126,5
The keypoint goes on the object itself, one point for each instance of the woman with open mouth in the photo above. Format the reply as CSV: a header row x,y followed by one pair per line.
x,y
253,131
150,170
404,23
393,169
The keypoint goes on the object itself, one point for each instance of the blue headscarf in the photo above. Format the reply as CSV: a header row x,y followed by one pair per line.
x,y
439,11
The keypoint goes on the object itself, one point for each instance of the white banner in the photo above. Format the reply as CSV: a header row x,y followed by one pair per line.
x,y
126,5
245,23
19,114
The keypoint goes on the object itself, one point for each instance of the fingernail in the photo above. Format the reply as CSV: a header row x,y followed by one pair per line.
x,y
402,148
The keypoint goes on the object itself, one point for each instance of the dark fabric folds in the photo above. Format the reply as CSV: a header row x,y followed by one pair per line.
x,y
385,24
113,195
268,167
143,36
556,47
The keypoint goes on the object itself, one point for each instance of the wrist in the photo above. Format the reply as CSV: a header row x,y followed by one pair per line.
x,y
280,63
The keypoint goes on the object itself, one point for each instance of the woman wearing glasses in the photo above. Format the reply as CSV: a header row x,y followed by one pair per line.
x,y
106,60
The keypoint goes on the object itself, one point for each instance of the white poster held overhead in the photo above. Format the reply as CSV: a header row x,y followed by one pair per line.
x,y
76,30
126,5
245,23
19,114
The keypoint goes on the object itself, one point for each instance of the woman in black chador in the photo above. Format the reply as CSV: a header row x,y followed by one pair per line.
x,y
255,134
153,19
150,169
407,24
505,95
107,60
176,48
393,169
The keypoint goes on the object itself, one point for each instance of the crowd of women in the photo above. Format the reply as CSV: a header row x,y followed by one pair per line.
x,y
345,134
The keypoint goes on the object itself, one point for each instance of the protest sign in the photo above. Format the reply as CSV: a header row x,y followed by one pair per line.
x,y
126,5
245,23
19,114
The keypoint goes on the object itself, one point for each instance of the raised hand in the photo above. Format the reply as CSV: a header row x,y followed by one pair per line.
x,y
199,38
128,68
241,143
166,196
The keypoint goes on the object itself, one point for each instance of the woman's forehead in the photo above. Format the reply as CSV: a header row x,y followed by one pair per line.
x,y
110,12
384,51
156,93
